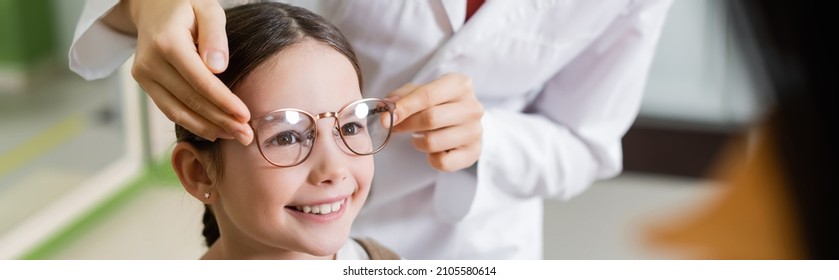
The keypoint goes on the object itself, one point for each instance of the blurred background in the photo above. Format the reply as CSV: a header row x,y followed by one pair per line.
x,y
84,170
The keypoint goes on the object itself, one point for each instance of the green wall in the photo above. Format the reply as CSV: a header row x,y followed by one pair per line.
x,y
27,32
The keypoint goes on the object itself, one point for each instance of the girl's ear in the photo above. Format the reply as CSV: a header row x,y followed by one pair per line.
x,y
192,170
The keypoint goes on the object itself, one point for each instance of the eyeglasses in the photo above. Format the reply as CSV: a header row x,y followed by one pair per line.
x,y
285,137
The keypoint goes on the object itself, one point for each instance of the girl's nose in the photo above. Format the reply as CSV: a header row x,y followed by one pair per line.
x,y
329,163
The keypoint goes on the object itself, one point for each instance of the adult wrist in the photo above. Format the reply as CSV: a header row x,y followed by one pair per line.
x,y
120,19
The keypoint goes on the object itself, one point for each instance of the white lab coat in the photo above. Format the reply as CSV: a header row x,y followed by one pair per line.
x,y
561,82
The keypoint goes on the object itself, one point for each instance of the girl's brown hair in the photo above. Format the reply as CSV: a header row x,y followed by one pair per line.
x,y
256,32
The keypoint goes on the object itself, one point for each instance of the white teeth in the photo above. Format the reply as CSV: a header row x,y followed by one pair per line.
x,y
326,209
322,209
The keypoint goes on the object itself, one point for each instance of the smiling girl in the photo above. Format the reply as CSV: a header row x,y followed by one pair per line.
x,y
294,192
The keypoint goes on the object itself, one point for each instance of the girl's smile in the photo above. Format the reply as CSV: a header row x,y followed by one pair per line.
x,y
319,212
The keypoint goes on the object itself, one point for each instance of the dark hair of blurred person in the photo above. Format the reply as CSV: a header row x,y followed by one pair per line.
x,y
779,199
793,40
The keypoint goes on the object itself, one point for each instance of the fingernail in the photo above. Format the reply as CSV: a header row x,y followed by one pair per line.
x,y
216,61
242,117
244,137
388,122
225,135
418,135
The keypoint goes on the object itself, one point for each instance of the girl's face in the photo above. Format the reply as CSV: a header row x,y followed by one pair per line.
x,y
257,205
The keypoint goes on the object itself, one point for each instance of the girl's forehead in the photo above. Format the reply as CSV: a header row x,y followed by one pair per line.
x,y
309,76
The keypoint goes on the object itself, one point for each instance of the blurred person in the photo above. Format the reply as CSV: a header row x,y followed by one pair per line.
x,y
499,104
293,193
779,198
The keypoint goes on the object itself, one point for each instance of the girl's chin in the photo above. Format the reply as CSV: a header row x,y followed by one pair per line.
x,y
328,248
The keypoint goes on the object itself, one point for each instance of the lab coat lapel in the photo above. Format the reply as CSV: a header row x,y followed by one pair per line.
x,y
490,50
484,19
511,48
456,12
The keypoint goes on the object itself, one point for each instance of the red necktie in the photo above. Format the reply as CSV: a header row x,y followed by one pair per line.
x,y
472,7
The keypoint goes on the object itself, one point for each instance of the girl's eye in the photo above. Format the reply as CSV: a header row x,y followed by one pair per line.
x,y
351,129
285,138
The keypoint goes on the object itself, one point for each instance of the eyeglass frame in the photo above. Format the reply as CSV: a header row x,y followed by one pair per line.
x,y
390,105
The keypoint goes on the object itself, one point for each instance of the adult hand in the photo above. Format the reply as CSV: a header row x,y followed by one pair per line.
x,y
180,45
445,118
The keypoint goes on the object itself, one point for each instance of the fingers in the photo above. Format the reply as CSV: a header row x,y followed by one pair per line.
x,y
446,139
449,87
441,116
402,91
180,114
208,87
394,96
178,75
456,159
171,92
200,105
212,37
445,117
192,69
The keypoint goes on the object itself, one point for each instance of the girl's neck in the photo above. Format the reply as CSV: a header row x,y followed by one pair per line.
x,y
224,249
